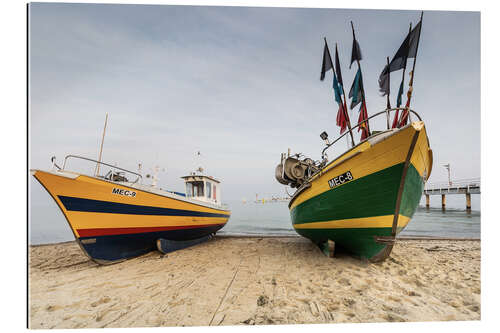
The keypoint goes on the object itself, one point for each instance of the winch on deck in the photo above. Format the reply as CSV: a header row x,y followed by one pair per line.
x,y
294,170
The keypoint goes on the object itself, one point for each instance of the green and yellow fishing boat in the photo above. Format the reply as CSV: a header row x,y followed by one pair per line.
x,y
362,199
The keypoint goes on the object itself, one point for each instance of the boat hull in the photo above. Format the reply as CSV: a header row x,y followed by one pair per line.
x,y
364,214
113,222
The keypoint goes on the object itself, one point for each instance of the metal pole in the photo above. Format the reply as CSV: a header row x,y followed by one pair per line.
x,y
363,86
388,92
449,176
344,104
102,142
402,82
346,114
414,62
448,167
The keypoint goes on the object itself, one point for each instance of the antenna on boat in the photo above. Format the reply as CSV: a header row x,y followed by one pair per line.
x,y
154,177
102,142
199,161
139,171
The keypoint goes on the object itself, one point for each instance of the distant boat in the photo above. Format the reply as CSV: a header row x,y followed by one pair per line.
x,y
114,219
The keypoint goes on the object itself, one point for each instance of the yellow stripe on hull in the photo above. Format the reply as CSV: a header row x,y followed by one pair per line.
x,y
365,222
90,220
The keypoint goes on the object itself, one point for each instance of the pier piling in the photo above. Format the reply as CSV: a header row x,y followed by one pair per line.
x,y
464,186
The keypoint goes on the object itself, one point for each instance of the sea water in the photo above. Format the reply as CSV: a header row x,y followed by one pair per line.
x,y
273,218
48,225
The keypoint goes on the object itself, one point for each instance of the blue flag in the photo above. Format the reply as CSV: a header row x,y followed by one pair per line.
x,y
337,88
355,92
400,93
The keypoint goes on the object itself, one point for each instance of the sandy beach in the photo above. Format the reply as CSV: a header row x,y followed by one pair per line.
x,y
254,281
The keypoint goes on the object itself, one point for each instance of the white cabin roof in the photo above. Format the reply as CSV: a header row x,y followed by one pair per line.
x,y
191,178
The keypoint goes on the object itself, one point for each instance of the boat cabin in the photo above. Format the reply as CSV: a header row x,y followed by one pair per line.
x,y
202,188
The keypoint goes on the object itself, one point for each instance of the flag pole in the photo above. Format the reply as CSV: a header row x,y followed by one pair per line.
x,y
363,86
388,92
388,84
410,90
102,142
344,104
403,75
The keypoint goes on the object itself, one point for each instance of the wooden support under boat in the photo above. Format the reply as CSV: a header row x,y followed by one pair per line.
x,y
331,248
328,248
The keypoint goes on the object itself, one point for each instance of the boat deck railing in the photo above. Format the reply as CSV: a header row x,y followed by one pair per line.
x,y
139,176
386,112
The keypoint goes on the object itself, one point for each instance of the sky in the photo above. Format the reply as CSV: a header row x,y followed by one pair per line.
x,y
238,84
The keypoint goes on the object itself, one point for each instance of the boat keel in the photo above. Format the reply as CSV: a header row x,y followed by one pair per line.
x,y
166,245
383,254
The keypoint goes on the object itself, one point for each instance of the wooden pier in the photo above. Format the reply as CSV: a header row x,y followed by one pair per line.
x,y
464,186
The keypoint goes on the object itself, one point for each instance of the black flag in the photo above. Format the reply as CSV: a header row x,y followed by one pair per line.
x,y
327,62
356,52
337,67
407,50
383,82
414,37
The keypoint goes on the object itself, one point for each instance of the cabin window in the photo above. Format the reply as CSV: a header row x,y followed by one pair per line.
x,y
215,193
194,189
189,190
209,189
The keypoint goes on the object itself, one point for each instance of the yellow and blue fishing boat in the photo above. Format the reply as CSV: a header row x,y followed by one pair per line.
x,y
363,198
114,219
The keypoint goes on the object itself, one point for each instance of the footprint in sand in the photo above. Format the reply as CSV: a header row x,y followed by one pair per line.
x,y
348,302
412,293
103,300
474,308
51,308
345,282
392,318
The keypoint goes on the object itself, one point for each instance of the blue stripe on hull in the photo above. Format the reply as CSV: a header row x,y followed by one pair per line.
x,y
98,206
107,249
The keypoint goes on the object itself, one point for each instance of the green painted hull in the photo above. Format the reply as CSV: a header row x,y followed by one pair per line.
x,y
371,196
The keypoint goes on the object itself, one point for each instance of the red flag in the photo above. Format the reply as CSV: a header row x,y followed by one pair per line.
x,y
363,115
395,121
404,115
341,118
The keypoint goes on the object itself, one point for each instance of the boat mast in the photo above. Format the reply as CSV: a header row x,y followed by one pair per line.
x,y
363,100
388,93
344,103
413,69
102,142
